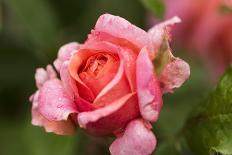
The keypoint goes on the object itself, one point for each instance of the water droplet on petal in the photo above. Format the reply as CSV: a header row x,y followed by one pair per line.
x,y
59,106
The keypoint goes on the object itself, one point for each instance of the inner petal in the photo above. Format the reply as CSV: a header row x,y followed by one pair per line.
x,y
99,70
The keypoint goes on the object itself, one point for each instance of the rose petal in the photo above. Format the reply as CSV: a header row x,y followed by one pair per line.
x,y
116,88
65,53
84,105
172,72
148,89
68,82
97,36
58,127
87,117
121,28
159,31
75,63
129,57
54,103
71,89
101,46
111,118
113,82
137,140
42,75
174,75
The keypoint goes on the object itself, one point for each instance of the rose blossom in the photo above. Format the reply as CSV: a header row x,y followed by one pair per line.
x,y
109,85
205,30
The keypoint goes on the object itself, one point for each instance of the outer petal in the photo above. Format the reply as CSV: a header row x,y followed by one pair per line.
x,y
58,127
65,53
174,75
137,140
160,31
172,71
97,36
148,88
54,103
121,28
111,118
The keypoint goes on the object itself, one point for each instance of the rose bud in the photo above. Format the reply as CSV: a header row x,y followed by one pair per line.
x,y
110,85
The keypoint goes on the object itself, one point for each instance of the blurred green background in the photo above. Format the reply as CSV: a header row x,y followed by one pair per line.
x,y
31,32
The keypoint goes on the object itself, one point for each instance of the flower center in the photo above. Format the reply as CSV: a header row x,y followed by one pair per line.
x,y
95,64
98,70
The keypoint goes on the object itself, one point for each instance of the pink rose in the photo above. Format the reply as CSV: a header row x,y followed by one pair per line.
x,y
109,86
206,30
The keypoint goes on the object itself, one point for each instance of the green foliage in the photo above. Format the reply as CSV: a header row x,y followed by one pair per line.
x,y
25,139
36,19
209,128
156,7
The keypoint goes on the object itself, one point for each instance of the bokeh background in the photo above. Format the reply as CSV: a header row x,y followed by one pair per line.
x,y
31,32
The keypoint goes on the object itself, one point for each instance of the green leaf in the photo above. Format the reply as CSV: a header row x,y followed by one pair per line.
x,y
156,7
209,128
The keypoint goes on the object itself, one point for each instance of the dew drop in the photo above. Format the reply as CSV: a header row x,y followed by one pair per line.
x,y
59,106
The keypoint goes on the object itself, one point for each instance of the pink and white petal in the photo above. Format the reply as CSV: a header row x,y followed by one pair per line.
x,y
42,75
148,88
137,139
92,116
59,127
54,103
121,28
174,74
160,31
65,53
